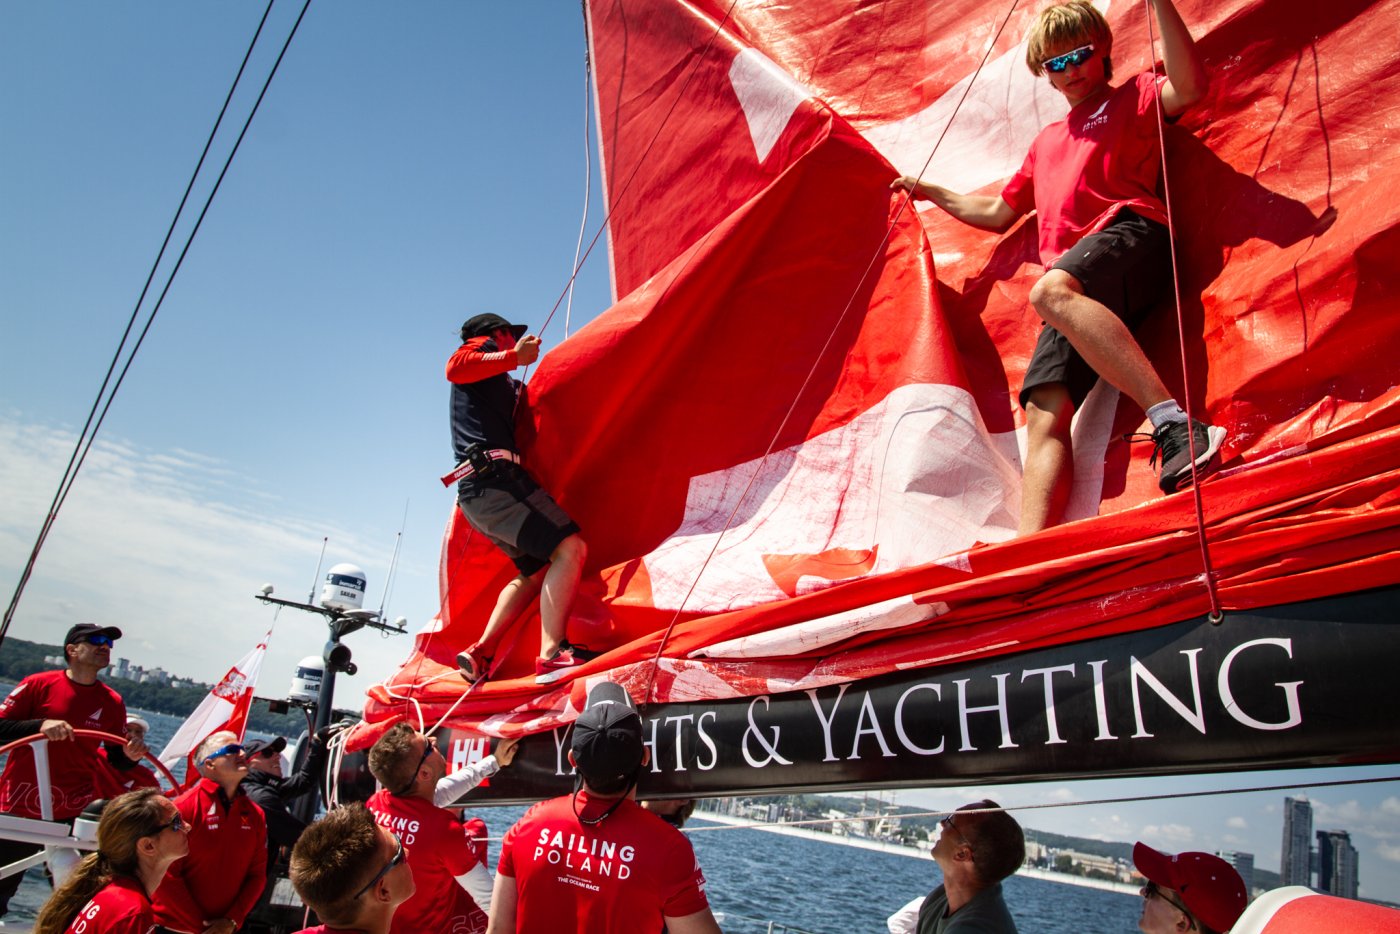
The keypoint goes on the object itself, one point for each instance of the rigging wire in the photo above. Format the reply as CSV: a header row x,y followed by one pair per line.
x,y
642,159
1051,805
1207,567
821,354
587,183
88,437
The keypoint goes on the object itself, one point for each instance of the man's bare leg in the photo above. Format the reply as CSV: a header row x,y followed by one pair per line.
x,y
1100,337
559,589
1048,474
514,599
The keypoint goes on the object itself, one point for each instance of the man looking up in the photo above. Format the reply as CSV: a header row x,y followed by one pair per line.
x,y
1091,179
453,887
1188,892
212,890
351,872
56,703
505,504
975,851
595,861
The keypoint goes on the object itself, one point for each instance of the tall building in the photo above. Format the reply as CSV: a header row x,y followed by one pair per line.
x,y
1337,863
1244,865
1295,866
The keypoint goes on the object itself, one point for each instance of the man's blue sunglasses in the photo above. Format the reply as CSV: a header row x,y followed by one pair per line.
x,y
232,749
105,642
1074,57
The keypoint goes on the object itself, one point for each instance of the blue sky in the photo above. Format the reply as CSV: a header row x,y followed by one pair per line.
x,y
411,166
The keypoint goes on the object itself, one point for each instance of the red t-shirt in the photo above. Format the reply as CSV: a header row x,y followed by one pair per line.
x,y
322,929
52,695
1105,155
119,907
226,868
438,851
623,874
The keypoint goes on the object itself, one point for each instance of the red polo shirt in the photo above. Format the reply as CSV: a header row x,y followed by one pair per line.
x,y
438,851
226,868
623,874
73,766
119,907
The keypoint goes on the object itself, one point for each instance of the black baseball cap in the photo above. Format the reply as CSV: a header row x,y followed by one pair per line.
x,y
83,631
265,746
607,738
489,323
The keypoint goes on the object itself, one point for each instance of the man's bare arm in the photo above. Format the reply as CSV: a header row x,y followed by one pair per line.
x,y
1187,79
988,212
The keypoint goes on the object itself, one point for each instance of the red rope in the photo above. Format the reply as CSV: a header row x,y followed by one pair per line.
x,y
1208,569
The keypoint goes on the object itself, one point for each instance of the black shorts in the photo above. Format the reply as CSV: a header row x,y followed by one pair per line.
x,y
1128,267
517,515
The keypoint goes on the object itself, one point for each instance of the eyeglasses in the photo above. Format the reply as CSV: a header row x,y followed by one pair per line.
x,y
105,642
428,746
948,824
232,749
397,858
176,823
1153,890
1074,57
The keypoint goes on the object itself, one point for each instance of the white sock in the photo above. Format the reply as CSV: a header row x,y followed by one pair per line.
x,y
1164,413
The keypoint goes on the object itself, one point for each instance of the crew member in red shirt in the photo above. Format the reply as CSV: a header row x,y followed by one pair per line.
x,y
1091,180
351,872
596,861
505,504
139,835
453,886
56,703
138,776
212,890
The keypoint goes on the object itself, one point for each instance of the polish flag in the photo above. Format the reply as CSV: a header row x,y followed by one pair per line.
x,y
226,708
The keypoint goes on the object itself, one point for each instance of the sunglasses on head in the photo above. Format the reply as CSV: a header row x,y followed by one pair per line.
x,y
1074,57
397,858
232,749
104,641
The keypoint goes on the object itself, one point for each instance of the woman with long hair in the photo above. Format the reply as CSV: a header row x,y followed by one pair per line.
x,y
139,835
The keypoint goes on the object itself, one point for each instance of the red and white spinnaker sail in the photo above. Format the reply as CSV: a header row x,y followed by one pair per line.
x,y
793,444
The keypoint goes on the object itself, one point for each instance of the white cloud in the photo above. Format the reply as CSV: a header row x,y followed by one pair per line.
x,y
1388,851
1168,836
147,541
1237,823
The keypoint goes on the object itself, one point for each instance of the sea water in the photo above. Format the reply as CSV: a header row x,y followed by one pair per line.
x,y
795,884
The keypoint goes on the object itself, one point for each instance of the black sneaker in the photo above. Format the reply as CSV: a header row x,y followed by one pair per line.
x,y
1172,446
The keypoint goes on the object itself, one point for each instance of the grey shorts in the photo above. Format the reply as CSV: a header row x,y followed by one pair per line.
x,y
1127,266
517,516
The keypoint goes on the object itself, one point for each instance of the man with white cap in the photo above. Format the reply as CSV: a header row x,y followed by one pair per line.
x,y
1188,892
595,860
505,505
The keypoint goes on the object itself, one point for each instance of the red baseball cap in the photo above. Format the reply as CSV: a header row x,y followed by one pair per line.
x,y
1209,887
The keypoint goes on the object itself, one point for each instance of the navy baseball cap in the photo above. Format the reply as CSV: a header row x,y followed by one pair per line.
x,y
489,323
85,630
267,747
607,738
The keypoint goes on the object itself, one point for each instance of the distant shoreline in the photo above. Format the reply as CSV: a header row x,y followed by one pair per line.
x,y
898,849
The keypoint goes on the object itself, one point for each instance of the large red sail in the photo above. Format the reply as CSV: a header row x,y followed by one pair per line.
x,y
793,444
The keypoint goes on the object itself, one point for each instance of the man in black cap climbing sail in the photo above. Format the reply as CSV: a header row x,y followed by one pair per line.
x,y
504,503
